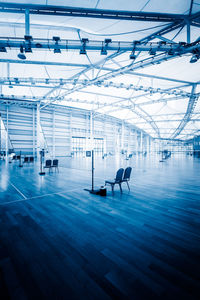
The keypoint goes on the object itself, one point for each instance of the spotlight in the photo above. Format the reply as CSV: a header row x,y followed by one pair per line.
x,y
21,54
132,55
38,45
3,49
103,51
83,50
104,47
28,39
152,52
194,58
16,80
56,48
171,52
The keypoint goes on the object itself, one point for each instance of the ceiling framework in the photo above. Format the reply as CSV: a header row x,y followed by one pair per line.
x,y
113,83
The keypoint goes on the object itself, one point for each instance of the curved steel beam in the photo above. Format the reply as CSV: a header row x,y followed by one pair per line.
x,y
191,106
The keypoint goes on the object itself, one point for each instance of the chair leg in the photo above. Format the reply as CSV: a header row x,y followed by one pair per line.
x,y
112,186
128,185
120,186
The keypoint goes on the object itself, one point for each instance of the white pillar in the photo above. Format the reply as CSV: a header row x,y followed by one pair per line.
x,y
33,131
91,131
27,22
38,129
53,139
136,143
149,144
105,135
122,136
7,131
141,141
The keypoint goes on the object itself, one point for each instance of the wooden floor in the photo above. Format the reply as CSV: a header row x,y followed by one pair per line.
x,y
57,241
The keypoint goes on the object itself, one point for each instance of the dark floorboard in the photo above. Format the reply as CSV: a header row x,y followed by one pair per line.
x,y
57,241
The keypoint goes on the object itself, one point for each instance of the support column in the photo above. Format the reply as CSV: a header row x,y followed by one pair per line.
x,y
91,131
8,70
38,129
104,128
122,136
188,32
141,141
53,150
136,143
33,131
149,148
0,132
70,132
27,22
7,131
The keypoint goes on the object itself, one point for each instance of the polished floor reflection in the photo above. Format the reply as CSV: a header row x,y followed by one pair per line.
x,y
57,241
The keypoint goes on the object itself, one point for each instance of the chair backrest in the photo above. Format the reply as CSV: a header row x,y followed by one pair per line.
x,y
55,162
127,173
26,159
48,163
119,175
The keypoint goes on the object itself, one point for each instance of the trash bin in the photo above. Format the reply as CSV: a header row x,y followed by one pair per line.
x,y
103,191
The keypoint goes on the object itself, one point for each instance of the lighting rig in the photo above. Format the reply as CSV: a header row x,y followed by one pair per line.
x,y
27,44
85,82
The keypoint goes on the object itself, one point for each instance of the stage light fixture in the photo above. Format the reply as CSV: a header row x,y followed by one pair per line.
x,y
3,49
104,46
21,54
152,52
171,52
56,47
28,39
16,80
132,55
194,58
83,47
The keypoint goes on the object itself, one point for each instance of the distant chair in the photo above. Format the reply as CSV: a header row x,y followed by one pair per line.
x,y
26,159
18,157
31,159
127,175
55,164
117,180
14,157
48,164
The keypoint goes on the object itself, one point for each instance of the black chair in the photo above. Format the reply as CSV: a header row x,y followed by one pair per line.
x,y
48,164
31,159
18,157
14,157
55,164
26,159
127,175
117,180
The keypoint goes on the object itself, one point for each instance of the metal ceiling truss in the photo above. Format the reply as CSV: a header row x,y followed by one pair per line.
x,y
100,105
68,11
45,63
187,117
146,39
121,71
166,121
17,81
57,45
144,115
